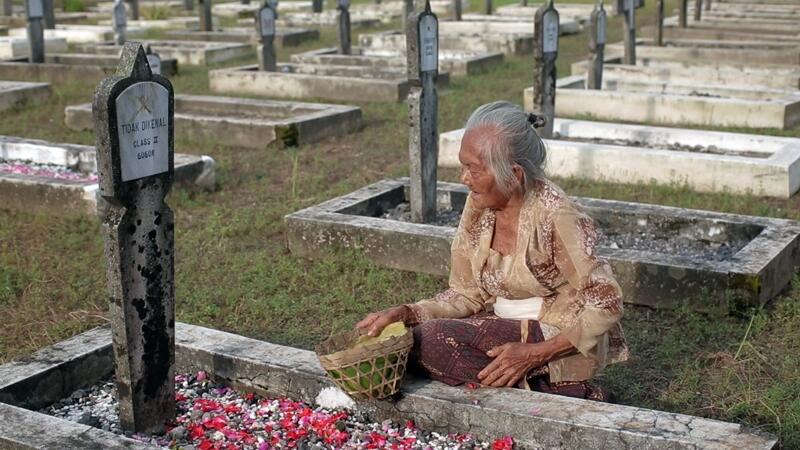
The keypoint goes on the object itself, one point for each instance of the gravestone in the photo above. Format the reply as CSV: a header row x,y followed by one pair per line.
x,y
422,43
154,59
134,118
119,21
630,33
545,53
49,14
134,9
597,44
316,6
487,7
683,11
456,10
6,8
34,9
344,26
708,5
619,6
659,39
265,25
698,10
409,9
206,20
188,5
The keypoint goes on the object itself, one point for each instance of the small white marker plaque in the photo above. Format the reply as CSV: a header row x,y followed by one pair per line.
x,y
143,130
429,47
601,28
267,20
155,63
550,32
35,9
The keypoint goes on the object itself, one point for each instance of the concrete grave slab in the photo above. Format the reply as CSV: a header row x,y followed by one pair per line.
x,y
567,25
703,50
754,257
74,190
729,74
452,61
193,53
738,14
508,44
567,11
71,67
189,23
80,34
706,161
19,93
298,81
676,32
728,25
327,18
17,47
284,37
268,369
245,122
662,103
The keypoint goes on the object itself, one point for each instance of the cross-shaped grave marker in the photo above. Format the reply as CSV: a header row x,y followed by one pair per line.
x,y
134,127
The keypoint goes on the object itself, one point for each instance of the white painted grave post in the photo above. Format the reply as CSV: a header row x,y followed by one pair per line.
x,y
206,20
154,59
659,23
134,128
344,26
119,21
698,10
597,45
683,11
265,25
34,9
49,14
630,33
545,53
422,43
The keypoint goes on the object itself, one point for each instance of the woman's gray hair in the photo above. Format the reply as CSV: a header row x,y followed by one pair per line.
x,y
515,142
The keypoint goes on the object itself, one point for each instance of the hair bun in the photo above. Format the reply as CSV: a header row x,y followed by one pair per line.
x,y
537,120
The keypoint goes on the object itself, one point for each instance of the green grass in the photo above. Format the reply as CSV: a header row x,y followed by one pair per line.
x,y
233,271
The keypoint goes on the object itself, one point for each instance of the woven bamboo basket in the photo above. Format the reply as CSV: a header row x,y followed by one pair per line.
x,y
371,371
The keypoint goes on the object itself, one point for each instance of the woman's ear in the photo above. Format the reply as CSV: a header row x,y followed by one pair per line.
x,y
519,174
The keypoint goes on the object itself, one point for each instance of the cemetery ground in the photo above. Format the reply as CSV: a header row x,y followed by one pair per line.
x,y
234,273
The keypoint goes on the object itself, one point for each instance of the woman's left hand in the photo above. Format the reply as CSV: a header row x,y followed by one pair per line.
x,y
512,361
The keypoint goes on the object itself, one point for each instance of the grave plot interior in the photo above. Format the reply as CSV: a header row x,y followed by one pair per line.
x,y
667,103
245,122
15,94
284,37
61,179
193,53
659,254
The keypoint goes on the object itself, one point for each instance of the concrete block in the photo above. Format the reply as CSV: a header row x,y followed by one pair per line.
x,y
508,44
17,47
661,103
270,369
298,81
691,50
760,255
18,93
47,195
193,53
245,122
706,161
284,37
80,34
451,61
189,23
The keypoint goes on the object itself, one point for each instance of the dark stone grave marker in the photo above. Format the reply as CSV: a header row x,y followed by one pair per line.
x,y
630,33
422,43
206,20
659,40
344,26
597,44
265,24
35,12
119,22
545,53
134,125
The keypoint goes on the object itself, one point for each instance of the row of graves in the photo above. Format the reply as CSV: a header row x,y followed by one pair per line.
x,y
659,253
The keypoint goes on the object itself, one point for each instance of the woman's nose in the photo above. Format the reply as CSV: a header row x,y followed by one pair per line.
x,y
463,177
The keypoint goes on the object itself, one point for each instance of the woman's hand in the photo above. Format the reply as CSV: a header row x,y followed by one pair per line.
x,y
376,322
512,361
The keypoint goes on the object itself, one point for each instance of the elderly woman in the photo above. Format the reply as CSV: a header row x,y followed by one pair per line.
x,y
530,304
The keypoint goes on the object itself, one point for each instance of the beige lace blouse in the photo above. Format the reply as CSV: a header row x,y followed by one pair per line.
x,y
555,259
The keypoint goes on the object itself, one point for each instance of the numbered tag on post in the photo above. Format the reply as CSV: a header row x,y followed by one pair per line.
x,y
143,130
266,20
35,9
550,31
601,27
429,45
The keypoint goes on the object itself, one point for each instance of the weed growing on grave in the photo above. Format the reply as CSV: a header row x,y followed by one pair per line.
x,y
74,6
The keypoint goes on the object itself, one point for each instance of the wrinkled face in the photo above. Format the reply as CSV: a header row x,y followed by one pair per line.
x,y
475,174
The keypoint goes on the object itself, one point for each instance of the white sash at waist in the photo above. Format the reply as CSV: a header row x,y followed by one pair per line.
x,y
520,309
